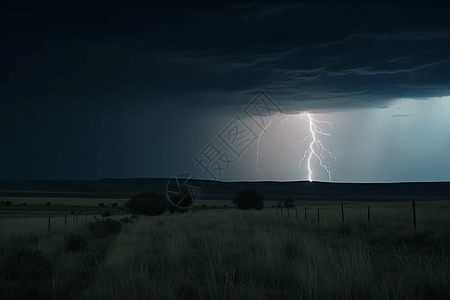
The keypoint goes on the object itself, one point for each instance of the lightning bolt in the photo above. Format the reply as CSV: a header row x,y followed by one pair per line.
x,y
281,124
315,143
257,143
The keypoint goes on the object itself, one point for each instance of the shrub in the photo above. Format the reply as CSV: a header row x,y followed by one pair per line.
x,y
48,203
182,200
8,203
104,228
74,242
248,199
101,204
225,205
24,203
288,202
204,206
148,203
114,204
106,213
280,203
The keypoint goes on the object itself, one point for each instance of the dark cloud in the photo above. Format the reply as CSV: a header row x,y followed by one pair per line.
x,y
310,55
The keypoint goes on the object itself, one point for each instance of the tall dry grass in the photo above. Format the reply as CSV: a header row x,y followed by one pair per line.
x,y
257,255
36,263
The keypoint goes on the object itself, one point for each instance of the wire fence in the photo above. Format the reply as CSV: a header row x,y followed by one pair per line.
x,y
310,213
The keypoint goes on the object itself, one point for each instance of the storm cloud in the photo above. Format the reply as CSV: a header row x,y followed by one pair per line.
x,y
313,55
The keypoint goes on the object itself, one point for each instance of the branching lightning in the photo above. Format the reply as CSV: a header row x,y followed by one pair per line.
x,y
281,124
315,150
257,144
315,143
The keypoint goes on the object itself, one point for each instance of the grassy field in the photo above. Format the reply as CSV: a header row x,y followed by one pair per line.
x,y
231,254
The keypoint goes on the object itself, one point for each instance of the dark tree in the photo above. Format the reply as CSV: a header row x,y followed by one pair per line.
x,y
248,199
148,203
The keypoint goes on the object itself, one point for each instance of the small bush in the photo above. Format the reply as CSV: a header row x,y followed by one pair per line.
x,y
104,228
248,199
8,203
74,242
114,204
204,206
101,204
48,203
24,203
288,202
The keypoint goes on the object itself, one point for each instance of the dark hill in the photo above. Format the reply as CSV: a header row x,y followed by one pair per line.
x,y
225,190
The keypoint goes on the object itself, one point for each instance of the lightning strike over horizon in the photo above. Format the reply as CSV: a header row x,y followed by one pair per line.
x,y
315,143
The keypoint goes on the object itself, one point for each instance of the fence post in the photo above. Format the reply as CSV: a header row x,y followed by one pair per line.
x,y
342,209
49,222
414,212
368,213
65,221
276,211
318,218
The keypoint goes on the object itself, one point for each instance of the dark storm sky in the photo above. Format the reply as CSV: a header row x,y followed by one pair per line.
x,y
94,90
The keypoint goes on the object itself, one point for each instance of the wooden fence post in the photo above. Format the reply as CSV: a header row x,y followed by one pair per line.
x,y
414,212
342,209
368,213
288,212
318,218
49,222
65,221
